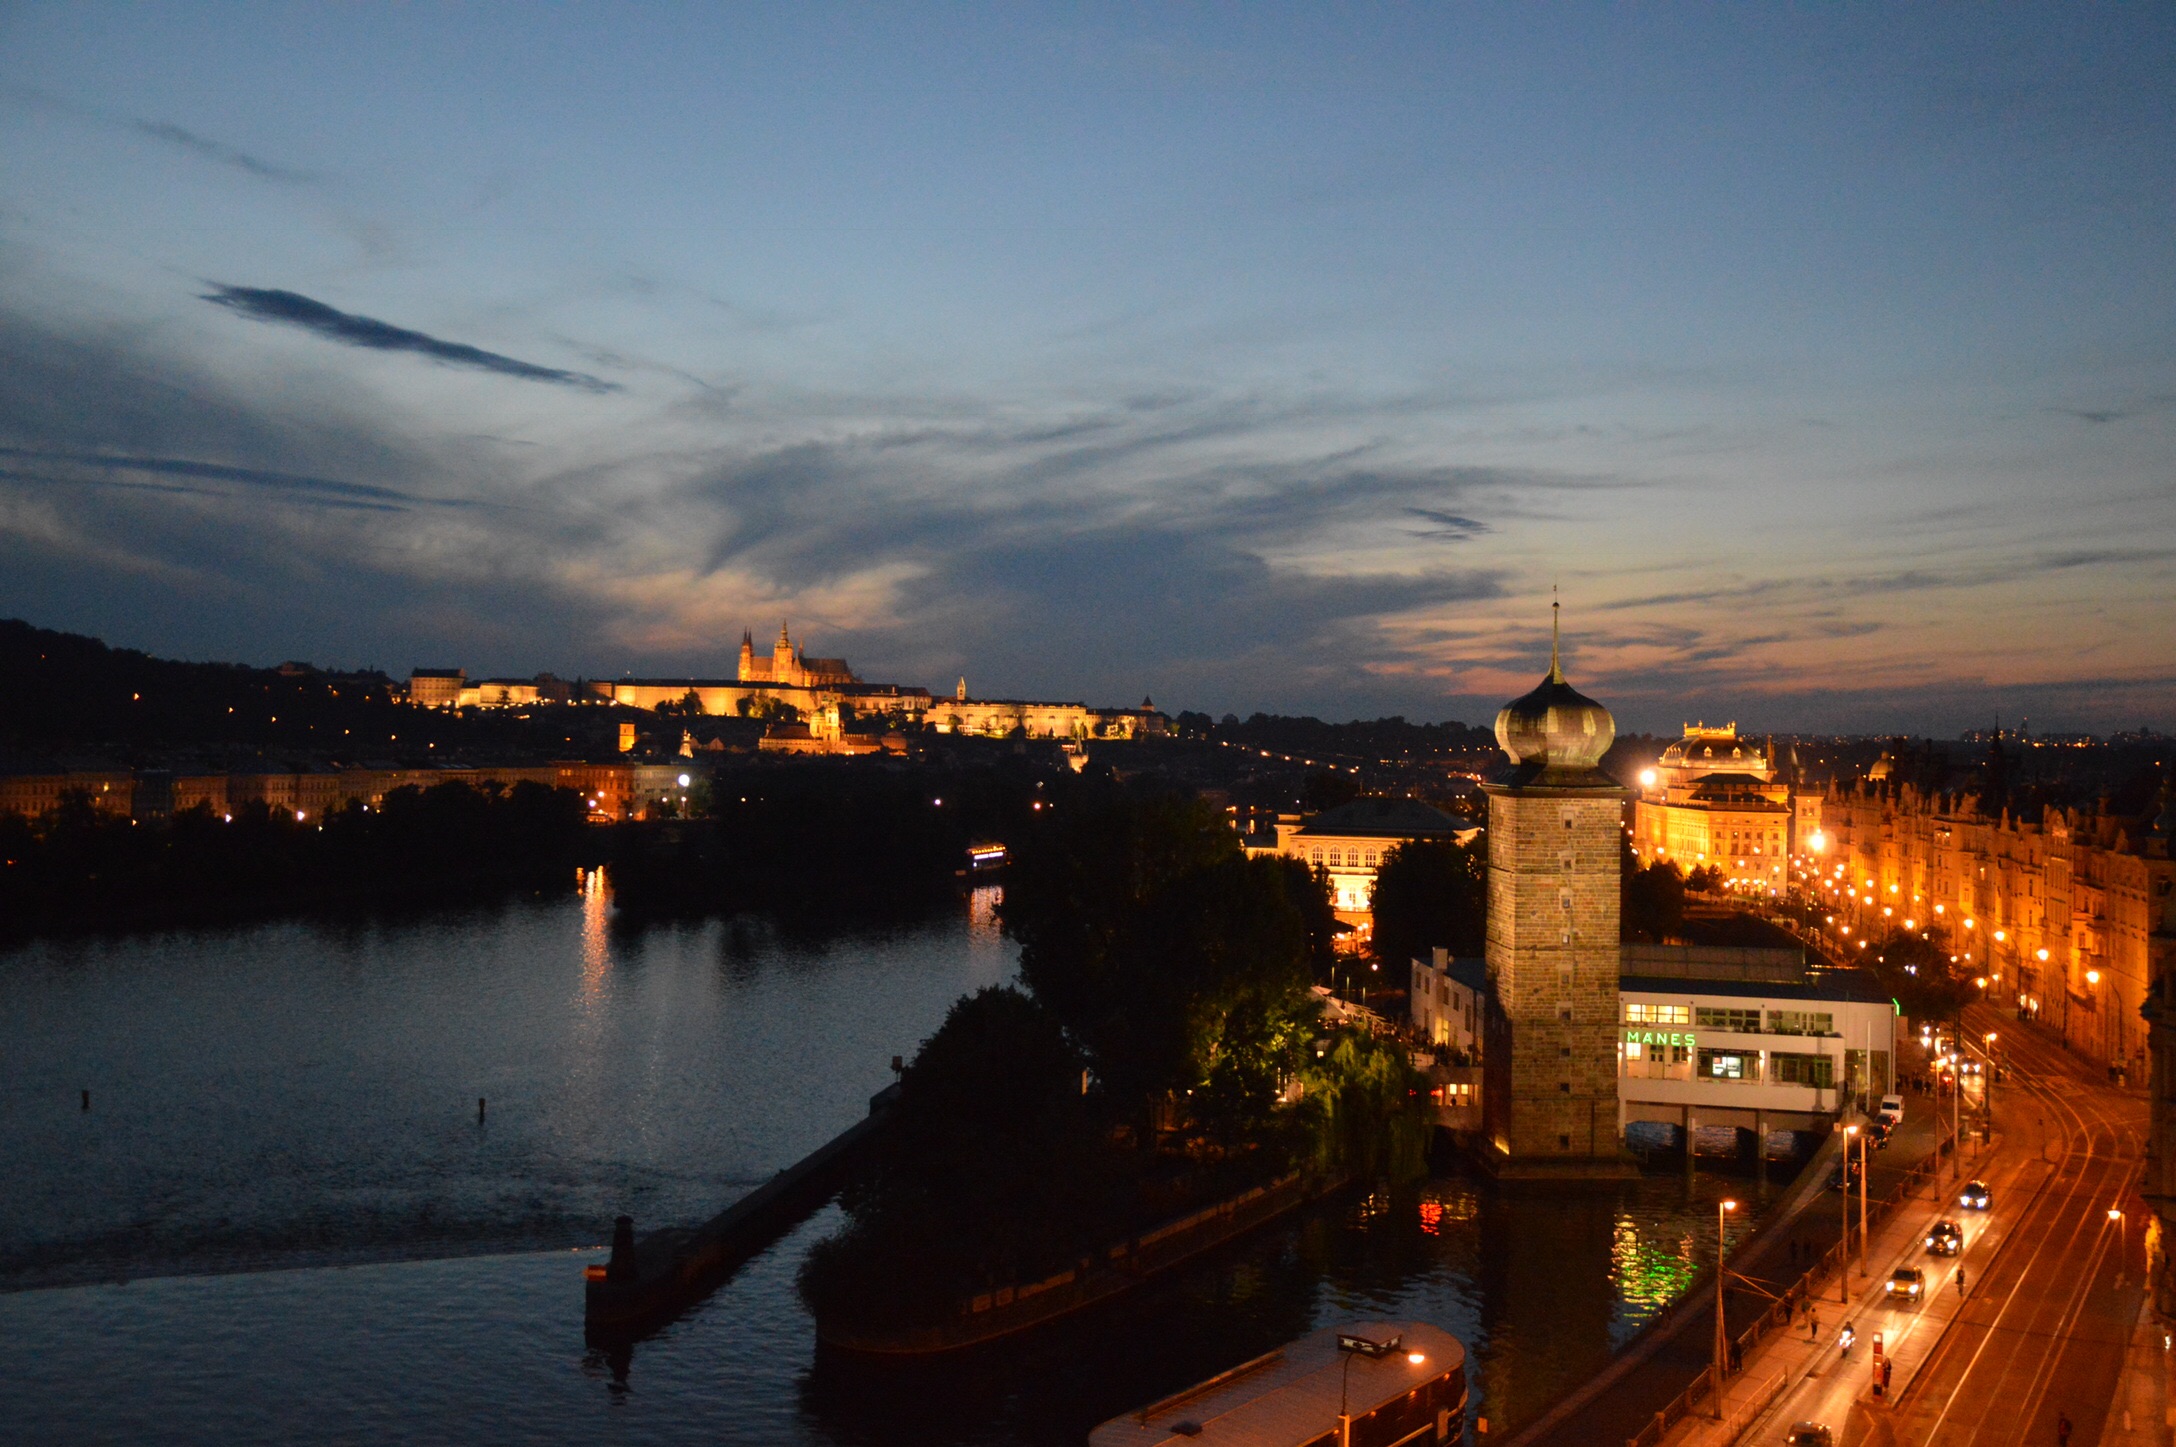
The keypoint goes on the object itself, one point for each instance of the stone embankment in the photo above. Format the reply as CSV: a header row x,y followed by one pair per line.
x,y
1116,1269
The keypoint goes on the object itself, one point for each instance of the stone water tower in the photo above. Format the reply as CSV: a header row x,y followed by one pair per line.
x,y
1555,851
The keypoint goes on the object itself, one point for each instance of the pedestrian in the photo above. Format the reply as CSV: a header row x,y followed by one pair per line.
x,y
1960,1283
1813,1323
2062,1430
1888,1365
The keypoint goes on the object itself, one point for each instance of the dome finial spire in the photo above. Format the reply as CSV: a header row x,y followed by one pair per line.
x,y
1556,611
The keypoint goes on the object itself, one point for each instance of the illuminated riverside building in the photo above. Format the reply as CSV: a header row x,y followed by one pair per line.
x,y
1351,841
2071,919
1707,1038
1714,798
612,792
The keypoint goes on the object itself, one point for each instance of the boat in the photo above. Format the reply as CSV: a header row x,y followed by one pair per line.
x,y
1367,1384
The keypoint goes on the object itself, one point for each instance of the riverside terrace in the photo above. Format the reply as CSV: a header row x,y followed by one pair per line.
x,y
1708,1039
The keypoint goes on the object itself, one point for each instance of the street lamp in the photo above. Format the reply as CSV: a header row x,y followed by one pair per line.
x,y
1352,1344
1843,1276
2115,1214
1722,1218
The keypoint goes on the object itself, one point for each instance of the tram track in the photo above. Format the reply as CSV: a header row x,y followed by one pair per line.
x,y
1992,1376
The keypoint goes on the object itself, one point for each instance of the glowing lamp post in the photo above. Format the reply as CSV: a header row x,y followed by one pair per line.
x,y
1352,1345
1843,1275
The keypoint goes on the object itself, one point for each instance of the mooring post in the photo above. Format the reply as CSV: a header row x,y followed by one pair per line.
x,y
621,1265
479,1110
86,1100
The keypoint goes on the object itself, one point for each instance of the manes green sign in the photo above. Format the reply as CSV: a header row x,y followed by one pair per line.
x,y
1659,1037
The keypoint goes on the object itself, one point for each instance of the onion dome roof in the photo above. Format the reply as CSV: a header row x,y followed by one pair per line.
x,y
1556,734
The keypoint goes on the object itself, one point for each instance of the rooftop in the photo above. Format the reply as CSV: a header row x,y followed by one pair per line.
x,y
1383,819
1841,986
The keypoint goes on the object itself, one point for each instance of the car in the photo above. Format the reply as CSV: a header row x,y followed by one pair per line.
x,y
1842,1177
1907,1283
1878,1133
1945,1238
1892,1109
1809,1434
1975,1196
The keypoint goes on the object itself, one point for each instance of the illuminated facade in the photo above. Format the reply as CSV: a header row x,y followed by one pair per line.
x,y
999,718
787,665
2071,919
436,687
611,793
1351,841
1714,798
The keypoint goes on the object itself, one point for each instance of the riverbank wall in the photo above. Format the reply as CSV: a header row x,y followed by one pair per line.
x,y
1118,1268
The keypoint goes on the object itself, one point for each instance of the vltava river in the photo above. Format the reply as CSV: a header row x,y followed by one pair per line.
x,y
281,1221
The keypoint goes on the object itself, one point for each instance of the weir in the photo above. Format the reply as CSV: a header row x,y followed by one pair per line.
x,y
648,1280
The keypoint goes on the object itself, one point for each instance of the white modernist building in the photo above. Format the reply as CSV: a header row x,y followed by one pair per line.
x,y
1707,1038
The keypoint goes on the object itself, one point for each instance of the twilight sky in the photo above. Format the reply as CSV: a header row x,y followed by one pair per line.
x,y
1244,356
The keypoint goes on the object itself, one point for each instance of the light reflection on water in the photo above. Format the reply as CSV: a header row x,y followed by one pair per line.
x,y
296,1093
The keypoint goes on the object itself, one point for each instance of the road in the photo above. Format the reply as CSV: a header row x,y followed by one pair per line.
x,y
2054,1283
2044,1330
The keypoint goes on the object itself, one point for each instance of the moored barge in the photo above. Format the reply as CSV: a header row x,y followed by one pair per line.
x,y
1370,1384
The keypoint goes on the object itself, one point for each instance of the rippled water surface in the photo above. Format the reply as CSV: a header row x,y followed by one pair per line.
x,y
293,1095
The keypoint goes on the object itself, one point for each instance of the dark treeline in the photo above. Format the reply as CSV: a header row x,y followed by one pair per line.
x,y
76,868
831,839
1382,738
1163,1048
61,693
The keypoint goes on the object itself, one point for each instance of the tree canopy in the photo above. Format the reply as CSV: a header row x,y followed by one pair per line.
x,y
1430,893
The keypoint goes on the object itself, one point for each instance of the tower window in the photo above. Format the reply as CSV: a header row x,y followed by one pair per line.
x,y
1563,1142
1564,1087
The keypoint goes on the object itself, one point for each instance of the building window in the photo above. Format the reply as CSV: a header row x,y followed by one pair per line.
x,y
1801,1022
1719,1019
1729,1065
1636,1014
1818,1071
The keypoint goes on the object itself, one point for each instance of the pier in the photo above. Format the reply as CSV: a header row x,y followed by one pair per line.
x,y
648,1280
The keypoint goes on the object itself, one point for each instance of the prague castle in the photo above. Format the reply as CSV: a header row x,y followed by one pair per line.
x,y
822,691
787,665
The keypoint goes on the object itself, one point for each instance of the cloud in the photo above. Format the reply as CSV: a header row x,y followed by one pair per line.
x,y
293,309
1448,526
224,154
97,469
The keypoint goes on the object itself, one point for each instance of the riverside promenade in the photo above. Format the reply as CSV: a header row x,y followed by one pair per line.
x,y
1802,1374
1652,1373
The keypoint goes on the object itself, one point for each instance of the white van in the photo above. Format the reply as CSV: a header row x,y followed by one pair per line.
x,y
1892,1109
